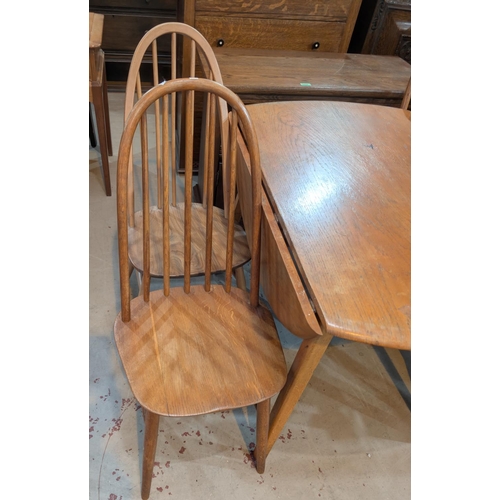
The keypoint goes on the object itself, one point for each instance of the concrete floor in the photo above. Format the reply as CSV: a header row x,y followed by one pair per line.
x,y
348,437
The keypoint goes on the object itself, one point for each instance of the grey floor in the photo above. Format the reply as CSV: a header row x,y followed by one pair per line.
x,y
348,437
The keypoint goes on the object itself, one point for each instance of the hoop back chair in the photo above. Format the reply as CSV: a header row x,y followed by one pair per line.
x,y
179,109
196,349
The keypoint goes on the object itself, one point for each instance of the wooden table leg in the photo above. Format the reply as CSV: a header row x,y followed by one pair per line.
x,y
93,140
106,110
102,134
306,360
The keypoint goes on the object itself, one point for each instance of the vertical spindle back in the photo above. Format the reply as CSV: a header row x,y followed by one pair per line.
x,y
163,95
146,55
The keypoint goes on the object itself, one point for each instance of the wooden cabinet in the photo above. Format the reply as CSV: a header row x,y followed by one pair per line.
x,y
384,28
125,23
306,25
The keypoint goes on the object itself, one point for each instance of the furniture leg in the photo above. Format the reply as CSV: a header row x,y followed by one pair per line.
x,y
240,278
138,274
306,360
151,421
109,146
93,141
262,434
98,100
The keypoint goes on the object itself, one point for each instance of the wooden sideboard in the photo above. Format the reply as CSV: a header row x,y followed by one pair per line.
x,y
126,21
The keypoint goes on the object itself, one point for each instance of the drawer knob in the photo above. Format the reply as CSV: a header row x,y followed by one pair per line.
x,y
220,42
315,45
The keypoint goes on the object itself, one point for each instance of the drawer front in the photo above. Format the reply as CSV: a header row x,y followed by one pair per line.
x,y
123,33
166,5
275,34
312,9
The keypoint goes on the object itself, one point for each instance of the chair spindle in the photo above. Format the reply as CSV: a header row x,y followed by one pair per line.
x,y
206,157
193,59
166,187
173,119
209,172
188,177
145,207
159,169
232,194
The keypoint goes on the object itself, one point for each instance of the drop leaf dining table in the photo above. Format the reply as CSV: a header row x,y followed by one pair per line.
x,y
336,228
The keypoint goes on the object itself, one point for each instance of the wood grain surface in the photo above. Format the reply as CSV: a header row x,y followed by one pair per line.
x,y
322,9
194,349
200,358
198,241
280,74
338,178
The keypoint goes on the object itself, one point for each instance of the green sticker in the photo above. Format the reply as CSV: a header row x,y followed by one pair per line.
x,y
305,84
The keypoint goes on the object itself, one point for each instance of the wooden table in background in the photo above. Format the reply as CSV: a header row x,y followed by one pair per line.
x,y
336,228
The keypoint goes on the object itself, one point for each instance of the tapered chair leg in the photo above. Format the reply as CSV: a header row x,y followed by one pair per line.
x,y
151,421
240,278
263,411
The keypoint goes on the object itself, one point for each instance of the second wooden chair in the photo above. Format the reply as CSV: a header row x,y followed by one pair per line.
x,y
181,150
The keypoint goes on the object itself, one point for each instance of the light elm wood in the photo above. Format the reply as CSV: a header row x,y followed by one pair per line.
x,y
197,353
98,94
195,349
405,104
151,424
173,142
306,360
176,241
337,176
196,44
262,434
279,279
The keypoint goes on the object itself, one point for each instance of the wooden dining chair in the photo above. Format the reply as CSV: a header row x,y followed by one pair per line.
x,y
177,34
195,349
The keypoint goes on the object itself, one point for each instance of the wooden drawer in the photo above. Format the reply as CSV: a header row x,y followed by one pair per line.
x,y
123,32
287,9
278,34
134,4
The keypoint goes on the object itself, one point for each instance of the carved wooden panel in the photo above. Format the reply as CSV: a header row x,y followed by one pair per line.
x,y
389,32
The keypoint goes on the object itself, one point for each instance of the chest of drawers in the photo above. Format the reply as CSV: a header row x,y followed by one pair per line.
x,y
306,25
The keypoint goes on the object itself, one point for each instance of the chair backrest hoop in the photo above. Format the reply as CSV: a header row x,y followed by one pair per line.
x,y
149,39
135,115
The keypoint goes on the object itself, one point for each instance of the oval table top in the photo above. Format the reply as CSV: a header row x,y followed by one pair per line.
x,y
338,177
